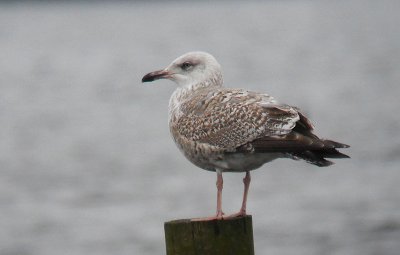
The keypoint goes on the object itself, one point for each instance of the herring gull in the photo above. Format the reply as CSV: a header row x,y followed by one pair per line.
x,y
232,129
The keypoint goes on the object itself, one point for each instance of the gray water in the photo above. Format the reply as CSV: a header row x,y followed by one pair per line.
x,y
87,163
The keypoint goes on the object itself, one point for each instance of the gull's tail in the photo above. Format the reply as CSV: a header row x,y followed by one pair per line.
x,y
301,143
317,157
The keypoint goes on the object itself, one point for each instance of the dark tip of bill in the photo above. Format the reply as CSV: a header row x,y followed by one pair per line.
x,y
148,77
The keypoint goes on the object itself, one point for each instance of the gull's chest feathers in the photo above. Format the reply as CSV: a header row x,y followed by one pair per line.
x,y
185,103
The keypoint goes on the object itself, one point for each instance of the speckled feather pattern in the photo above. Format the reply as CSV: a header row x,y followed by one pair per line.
x,y
228,118
208,121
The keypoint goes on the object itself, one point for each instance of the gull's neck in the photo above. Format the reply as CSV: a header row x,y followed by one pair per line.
x,y
183,92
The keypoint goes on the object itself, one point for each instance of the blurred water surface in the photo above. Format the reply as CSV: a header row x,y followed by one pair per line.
x,y
87,163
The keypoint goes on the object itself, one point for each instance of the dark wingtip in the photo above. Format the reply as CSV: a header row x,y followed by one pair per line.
x,y
341,145
334,144
332,153
323,163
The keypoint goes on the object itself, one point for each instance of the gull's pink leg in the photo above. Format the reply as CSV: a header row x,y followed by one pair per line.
x,y
219,215
220,184
246,181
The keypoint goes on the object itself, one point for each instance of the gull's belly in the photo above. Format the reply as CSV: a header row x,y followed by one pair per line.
x,y
241,162
211,158
200,154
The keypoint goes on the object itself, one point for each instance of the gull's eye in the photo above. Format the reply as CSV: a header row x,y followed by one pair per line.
x,y
186,66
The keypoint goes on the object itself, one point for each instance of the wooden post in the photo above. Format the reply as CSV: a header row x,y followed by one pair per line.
x,y
232,236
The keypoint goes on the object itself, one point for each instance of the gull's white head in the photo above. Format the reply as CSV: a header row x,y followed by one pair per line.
x,y
190,69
